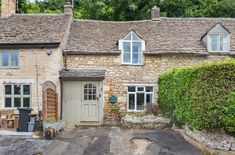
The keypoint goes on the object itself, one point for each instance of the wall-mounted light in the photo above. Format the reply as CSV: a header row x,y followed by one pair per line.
x,y
48,51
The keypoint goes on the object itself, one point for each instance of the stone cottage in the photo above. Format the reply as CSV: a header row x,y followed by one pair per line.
x,y
30,56
97,66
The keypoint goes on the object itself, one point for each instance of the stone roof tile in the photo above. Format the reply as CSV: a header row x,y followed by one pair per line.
x,y
33,28
167,34
82,74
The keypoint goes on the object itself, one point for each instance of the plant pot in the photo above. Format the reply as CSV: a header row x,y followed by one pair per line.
x,y
114,114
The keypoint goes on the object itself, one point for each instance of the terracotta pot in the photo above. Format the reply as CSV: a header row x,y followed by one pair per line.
x,y
114,114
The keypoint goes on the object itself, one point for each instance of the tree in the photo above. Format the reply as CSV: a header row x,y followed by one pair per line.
x,y
121,10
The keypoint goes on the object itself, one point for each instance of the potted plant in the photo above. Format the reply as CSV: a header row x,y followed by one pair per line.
x,y
114,112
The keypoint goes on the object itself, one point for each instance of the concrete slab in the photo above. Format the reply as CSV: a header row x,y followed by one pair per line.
x,y
15,133
101,140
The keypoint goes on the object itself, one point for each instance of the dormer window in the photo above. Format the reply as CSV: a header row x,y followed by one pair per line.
x,y
132,49
218,42
217,39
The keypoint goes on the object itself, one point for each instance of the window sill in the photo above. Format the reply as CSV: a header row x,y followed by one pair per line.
x,y
136,110
124,64
9,67
13,108
221,53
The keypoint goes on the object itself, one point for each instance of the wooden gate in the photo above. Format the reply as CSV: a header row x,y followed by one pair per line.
x,y
50,101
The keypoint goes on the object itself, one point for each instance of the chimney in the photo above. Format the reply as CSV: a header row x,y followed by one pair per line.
x,y
68,8
8,8
155,13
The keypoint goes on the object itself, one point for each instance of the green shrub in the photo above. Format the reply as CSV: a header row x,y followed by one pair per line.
x,y
228,118
197,95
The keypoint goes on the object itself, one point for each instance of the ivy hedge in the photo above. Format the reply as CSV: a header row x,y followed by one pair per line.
x,y
202,96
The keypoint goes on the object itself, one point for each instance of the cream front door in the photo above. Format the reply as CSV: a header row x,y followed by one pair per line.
x,y
90,101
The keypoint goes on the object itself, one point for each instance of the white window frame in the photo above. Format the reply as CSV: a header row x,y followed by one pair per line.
x,y
135,93
121,47
9,59
209,42
21,96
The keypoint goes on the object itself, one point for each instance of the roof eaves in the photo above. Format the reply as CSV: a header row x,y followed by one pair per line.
x,y
103,52
176,52
30,45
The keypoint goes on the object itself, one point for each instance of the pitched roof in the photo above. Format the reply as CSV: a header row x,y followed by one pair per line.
x,y
168,35
82,74
33,29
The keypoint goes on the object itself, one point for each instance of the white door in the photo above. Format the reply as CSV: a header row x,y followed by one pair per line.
x,y
90,101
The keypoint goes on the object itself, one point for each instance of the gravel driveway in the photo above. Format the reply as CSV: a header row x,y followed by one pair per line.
x,y
101,141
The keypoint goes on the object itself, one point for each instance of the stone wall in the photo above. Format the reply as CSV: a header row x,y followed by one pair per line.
x,y
220,141
118,75
36,67
8,8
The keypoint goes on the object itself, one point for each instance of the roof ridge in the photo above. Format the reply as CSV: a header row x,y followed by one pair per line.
x,y
40,14
162,18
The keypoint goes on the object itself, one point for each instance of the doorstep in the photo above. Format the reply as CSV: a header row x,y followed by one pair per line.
x,y
14,133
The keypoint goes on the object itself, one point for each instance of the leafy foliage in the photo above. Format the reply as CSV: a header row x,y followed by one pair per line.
x,y
198,95
122,10
228,118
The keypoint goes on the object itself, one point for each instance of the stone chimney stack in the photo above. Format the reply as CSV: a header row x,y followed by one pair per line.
x,y
68,8
8,8
155,13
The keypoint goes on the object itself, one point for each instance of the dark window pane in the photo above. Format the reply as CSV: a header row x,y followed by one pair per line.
x,y
5,59
85,97
17,89
94,91
149,98
140,88
7,102
149,89
131,89
90,91
131,101
90,97
85,91
90,85
17,102
26,89
26,102
94,97
14,59
8,89
140,101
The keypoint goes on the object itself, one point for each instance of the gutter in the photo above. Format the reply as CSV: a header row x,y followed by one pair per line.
x,y
29,45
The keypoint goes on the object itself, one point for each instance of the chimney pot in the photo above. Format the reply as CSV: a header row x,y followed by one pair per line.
x,y
68,8
155,13
8,8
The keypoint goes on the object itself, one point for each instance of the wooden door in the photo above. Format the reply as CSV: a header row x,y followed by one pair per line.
x,y
90,101
71,103
50,101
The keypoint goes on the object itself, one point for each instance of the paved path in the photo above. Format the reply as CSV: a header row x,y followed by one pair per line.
x,y
101,141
